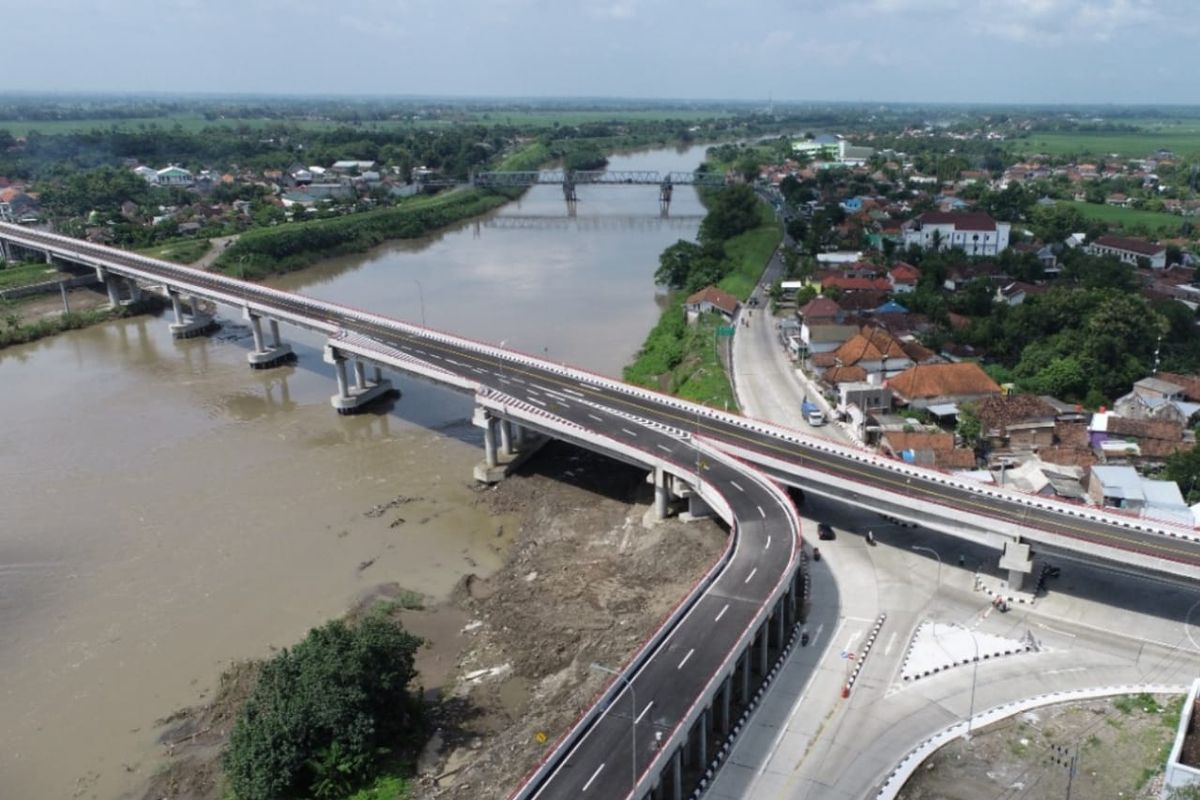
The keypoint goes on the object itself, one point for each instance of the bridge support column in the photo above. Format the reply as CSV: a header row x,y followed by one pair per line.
x,y
723,719
195,323
110,285
764,641
355,399
781,622
264,356
702,739
489,443
135,291
506,437
1018,561
746,673
677,775
662,494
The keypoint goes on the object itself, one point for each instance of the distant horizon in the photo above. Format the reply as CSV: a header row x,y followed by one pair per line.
x,y
1023,53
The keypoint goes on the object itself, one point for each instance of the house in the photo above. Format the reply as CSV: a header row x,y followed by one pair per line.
x,y
1130,250
875,350
174,176
1017,421
821,310
710,298
1122,487
975,233
845,284
1157,399
1034,476
891,307
1189,384
925,385
903,278
1117,437
350,166
1015,293
1119,200
824,338
927,449
148,174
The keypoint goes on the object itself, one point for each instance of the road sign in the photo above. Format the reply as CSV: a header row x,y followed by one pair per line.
x,y
725,330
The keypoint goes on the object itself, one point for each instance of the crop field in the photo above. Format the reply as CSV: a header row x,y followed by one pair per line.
x,y
1153,221
1182,137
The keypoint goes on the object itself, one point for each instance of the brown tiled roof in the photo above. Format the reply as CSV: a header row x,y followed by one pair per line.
x,y
905,273
849,374
918,441
961,220
872,344
958,458
942,380
856,284
1189,383
716,297
861,301
917,351
1155,438
1132,245
997,413
1071,434
1068,456
819,307
823,360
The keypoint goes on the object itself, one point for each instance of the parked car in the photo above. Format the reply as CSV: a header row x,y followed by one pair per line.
x,y
824,531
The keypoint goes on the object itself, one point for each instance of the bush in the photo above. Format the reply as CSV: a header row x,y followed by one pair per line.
x,y
324,712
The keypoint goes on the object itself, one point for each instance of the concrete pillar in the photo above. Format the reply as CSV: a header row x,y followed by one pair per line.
x,y
135,291
662,496
177,308
378,374
256,330
275,340
779,615
518,435
489,443
762,650
360,374
746,674
339,369
677,774
1018,561
723,720
49,258
702,740
505,437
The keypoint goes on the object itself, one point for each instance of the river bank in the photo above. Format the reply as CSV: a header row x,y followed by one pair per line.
x,y
506,666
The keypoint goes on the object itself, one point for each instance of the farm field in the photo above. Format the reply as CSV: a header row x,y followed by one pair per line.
x,y
1155,222
1182,137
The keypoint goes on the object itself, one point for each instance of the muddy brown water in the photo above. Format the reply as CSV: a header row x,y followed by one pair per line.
x,y
165,510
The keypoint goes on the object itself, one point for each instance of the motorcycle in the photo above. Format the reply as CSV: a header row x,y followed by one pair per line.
x,y
816,554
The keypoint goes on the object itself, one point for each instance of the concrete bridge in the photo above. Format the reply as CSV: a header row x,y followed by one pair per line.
x,y
570,179
663,726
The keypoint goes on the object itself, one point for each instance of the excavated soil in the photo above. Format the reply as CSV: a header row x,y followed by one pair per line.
x,y
506,668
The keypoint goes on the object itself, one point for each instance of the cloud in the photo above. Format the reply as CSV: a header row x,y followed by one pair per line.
x,y
616,10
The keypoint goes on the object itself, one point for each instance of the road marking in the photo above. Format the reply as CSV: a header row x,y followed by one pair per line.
x,y
888,650
644,710
631,433
767,546
817,635
853,638
1066,670
572,391
1055,630
721,613
593,416
751,575
532,393
561,403
737,486
435,355
664,448
589,780
762,513
539,402
517,380
685,658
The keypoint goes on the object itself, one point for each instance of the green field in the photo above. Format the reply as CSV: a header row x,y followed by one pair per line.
x,y
181,251
1182,138
196,122
25,274
1156,222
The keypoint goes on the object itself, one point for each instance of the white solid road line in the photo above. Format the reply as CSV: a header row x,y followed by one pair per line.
x,y
539,402
887,651
751,575
631,433
721,613
593,416
644,710
685,658
817,635
737,486
767,546
762,513
589,780
572,391
664,448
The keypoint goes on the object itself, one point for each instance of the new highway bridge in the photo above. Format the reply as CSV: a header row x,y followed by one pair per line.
x,y
664,723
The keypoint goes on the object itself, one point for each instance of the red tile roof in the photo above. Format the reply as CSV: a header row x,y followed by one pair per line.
x,y
714,297
1132,245
820,307
849,374
925,381
961,220
905,273
856,284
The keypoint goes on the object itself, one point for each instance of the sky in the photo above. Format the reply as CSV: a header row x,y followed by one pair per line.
x,y
974,51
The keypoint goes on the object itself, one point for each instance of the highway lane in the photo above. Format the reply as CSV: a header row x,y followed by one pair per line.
x,y
669,684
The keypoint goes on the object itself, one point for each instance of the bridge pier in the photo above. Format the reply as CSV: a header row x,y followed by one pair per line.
x,y
196,323
109,281
265,356
664,196
662,493
1018,560
506,445
355,399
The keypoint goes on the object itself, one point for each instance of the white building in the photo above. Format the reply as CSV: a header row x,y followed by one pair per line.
x,y
174,176
973,232
148,174
1130,250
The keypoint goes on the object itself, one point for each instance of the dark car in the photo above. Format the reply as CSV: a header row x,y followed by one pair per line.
x,y
825,532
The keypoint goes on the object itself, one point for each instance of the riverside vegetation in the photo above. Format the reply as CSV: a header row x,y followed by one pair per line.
x,y
737,238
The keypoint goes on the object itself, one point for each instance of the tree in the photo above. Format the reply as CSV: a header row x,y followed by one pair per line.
x,y
969,428
1183,467
734,210
323,712
675,264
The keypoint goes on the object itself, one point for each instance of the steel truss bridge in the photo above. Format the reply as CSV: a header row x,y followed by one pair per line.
x,y
569,180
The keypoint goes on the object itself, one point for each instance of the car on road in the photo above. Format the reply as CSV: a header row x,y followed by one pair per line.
x,y
824,531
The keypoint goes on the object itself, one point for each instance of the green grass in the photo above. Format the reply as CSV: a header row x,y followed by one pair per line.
x,y
749,253
1154,221
25,274
1180,140
182,251
700,376
385,787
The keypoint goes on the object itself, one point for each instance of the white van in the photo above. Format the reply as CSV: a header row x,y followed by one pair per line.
x,y
816,418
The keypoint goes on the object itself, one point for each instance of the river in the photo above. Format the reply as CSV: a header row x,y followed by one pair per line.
x,y
166,510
